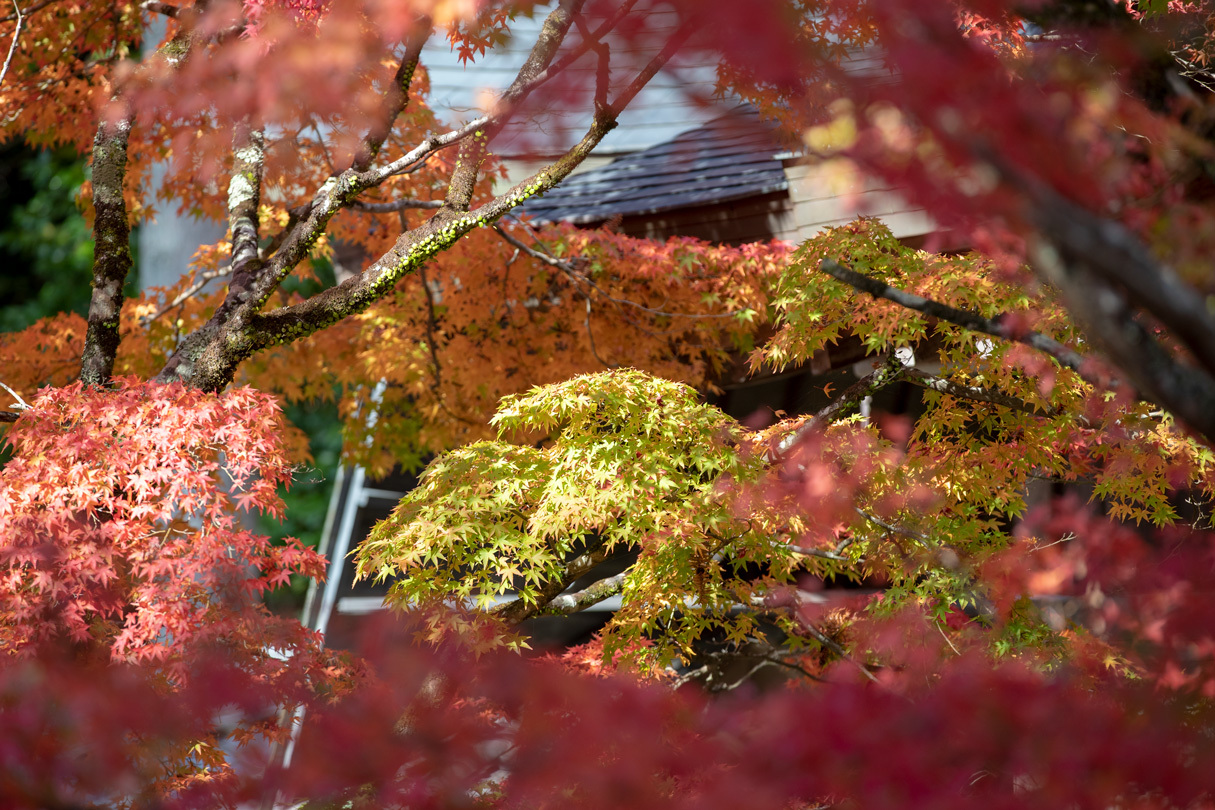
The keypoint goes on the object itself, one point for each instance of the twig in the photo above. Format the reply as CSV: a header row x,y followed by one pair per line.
x,y
922,539
12,48
817,634
432,325
571,269
591,336
394,206
834,646
888,372
189,292
432,329
30,9
20,404
947,641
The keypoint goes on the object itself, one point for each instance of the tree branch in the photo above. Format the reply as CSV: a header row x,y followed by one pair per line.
x,y
396,98
112,232
818,552
30,9
474,150
20,405
419,245
244,198
567,603
519,610
12,47
403,204
111,251
890,371
208,357
570,268
964,318
157,7
925,380
1100,268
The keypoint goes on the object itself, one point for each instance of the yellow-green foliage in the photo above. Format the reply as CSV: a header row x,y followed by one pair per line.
x,y
631,462
719,520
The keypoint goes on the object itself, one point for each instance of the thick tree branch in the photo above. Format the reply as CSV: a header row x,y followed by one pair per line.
x,y
309,221
1112,252
567,603
208,358
111,251
1101,268
244,198
112,232
413,248
519,610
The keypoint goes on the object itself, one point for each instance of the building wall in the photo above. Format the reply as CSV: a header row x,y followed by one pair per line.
x,y
823,194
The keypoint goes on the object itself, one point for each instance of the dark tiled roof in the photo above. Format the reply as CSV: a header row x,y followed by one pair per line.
x,y
729,158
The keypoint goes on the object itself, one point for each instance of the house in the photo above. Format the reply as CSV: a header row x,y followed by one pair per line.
x,y
729,181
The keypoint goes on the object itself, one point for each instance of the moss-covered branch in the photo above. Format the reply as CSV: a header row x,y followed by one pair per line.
x,y
111,251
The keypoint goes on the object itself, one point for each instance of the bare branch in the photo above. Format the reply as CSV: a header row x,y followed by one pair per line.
x,y
111,251
818,635
208,357
12,48
474,150
20,404
339,191
591,337
656,64
570,268
203,279
30,9
412,248
403,204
